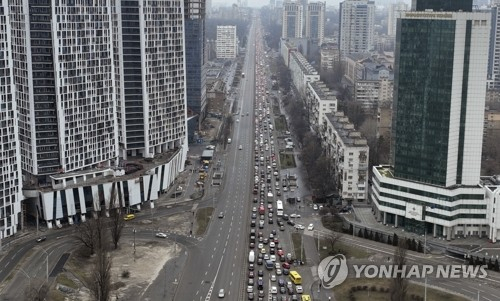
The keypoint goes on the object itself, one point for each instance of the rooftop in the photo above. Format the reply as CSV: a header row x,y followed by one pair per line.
x,y
304,65
345,130
322,91
132,168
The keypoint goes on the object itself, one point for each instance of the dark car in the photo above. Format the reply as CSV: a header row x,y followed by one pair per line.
x,y
251,274
251,267
260,273
286,265
285,217
260,261
273,232
281,282
252,245
41,238
261,294
254,216
252,223
250,296
291,223
283,290
260,284
286,272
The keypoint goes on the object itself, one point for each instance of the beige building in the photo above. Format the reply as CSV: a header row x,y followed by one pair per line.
x,y
349,153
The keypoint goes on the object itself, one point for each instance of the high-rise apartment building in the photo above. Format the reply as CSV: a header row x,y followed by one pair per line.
x,y
227,42
150,76
292,19
395,11
357,23
63,73
196,58
439,92
494,54
10,160
100,93
315,21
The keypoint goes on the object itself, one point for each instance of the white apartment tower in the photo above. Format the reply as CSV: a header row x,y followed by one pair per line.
x,y
315,21
292,20
494,54
227,42
10,160
357,21
395,11
150,76
63,73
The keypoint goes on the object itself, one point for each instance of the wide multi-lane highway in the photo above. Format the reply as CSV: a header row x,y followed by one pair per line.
x,y
218,261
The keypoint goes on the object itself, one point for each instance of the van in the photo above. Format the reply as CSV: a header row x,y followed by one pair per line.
x,y
129,217
251,257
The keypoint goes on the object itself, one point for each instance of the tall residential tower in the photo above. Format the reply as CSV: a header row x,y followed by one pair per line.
x,y
151,79
292,19
194,22
315,21
10,160
357,23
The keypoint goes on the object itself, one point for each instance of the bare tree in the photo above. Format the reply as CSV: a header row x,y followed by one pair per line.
x,y
100,280
331,239
37,291
86,233
399,284
321,176
117,223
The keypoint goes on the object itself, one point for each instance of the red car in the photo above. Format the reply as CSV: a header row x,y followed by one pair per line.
x,y
281,253
286,265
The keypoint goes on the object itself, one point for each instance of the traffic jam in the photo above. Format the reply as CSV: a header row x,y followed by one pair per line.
x,y
271,274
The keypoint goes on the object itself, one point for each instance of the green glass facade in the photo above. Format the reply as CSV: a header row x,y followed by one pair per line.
x,y
422,99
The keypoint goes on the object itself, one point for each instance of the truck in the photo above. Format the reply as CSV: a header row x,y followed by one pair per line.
x,y
251,257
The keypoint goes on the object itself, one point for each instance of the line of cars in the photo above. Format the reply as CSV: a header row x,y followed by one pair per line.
x,y
269,265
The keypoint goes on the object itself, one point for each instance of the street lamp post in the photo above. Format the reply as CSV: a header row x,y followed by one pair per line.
x,y
134,243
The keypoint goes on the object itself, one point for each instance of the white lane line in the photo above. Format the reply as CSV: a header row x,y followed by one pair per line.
x,y
224,251
207,298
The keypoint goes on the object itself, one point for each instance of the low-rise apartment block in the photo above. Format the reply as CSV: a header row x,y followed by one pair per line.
x,y
349,153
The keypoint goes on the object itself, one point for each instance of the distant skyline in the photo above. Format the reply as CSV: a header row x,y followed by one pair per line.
x,y
336,3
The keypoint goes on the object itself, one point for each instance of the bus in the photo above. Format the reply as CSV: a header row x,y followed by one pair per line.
x,y
279,208
295,277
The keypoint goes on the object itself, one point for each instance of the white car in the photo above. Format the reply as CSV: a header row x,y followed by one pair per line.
x,y
293,215
273,277
222,293
278,272
299,289
310,227
274,290
272,244
315,207
161,235
240,147
272,258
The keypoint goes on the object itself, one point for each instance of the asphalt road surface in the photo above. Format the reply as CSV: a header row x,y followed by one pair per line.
x,y
217,262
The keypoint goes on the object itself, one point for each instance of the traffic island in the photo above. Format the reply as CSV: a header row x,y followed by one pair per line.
x,y
297,244
203,216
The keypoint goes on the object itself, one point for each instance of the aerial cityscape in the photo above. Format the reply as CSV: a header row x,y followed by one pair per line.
x,y
281,150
